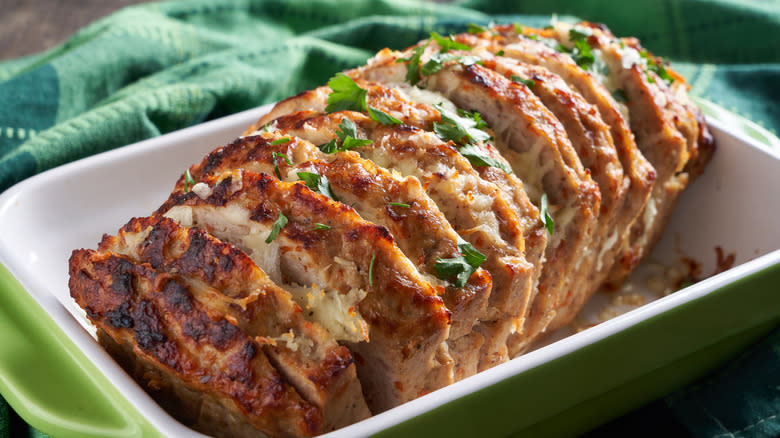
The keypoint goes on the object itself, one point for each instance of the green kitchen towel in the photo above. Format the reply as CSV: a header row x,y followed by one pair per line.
x,y
154,68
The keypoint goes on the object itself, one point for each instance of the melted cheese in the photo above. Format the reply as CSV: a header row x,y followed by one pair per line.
x,y
335,312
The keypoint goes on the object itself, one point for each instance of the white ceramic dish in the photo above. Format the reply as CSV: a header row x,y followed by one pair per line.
x,y
734,205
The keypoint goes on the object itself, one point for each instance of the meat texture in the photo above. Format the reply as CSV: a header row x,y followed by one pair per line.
x,y
418,219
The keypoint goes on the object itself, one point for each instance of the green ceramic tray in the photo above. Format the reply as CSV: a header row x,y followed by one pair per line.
x,y
59,380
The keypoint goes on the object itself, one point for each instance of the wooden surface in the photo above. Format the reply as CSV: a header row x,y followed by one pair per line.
x,y
30,26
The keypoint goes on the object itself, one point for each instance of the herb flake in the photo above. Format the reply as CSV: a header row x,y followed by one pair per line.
x,y
400,204
448,43
382,117
318,226
318,183
478,158
460,268
279,223
544,215
279,141
188,181
276,163
346,95
371,271
457,129
528,82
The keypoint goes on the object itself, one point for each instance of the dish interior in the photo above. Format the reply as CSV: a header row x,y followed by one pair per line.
x,y
729,210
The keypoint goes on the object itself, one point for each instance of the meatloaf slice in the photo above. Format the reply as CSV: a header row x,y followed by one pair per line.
x,y
350,277
226,282
202,367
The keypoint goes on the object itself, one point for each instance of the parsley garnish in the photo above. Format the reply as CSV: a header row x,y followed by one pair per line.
x,y
448,43
346,140
279,223
478,158
400,204
459,130
461,267
382,117
581,52
476,28
620,95
528,82
319,226
279,141
188,181
518,28
276,163
544,215
346,95
656,66
371,271
500,53
318,183
413,69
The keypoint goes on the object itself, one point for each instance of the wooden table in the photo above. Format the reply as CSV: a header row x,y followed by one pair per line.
x,y
28,27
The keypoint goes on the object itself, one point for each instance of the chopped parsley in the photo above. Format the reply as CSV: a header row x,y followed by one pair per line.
x,y
319,226
544,215
528,82
413,69
448,43
656,66
460,268
279,223
581,52
346,95
518,28
478,158
188,181
400,204
279,141
500,53
276,163
476,28
267,127
382,117
457,129
371,271
620,95
346,138
318,183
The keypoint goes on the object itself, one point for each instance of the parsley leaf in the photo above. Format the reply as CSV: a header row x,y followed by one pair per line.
x,y
346,134
478,158
276,163
544,215
461,267
318,183
500,53
448,43
656,66
371,271
279,141
528,82
518,28
459,130
319,226
620,95
400,204
476,28
382,117
346,95
188,181
279,223
413,69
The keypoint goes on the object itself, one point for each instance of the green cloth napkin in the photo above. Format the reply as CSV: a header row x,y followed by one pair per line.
x,y
154,68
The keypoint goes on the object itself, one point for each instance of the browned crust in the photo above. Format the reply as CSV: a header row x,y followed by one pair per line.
x,y
325,376
407,319
156,314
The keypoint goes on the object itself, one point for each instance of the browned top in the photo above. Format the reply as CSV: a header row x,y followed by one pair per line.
x,y
156,312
